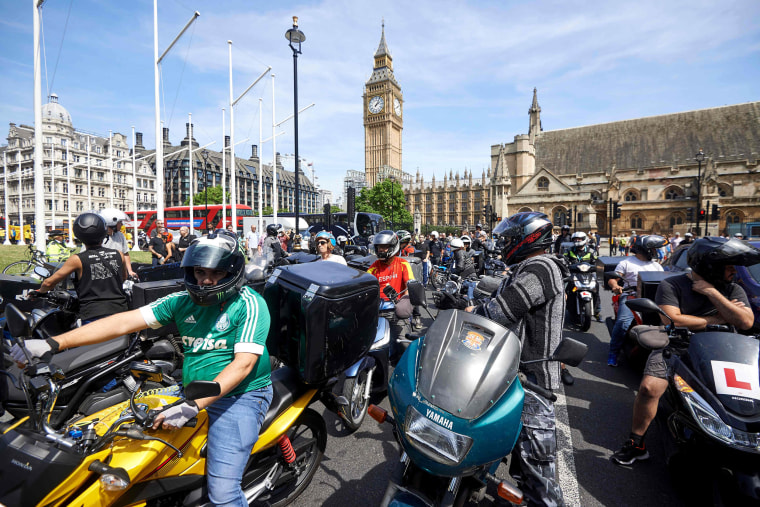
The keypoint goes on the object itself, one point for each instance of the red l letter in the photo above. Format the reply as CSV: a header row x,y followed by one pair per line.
x,y
732,382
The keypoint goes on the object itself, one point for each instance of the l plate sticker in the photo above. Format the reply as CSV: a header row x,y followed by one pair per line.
x,y
736,379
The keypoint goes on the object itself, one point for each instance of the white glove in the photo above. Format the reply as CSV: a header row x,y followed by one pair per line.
x,y
176,416
36,348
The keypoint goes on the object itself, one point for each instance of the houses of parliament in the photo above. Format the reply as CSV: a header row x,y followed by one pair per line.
x,y
648,166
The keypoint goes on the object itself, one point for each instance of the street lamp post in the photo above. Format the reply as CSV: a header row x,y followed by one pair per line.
x,y
392,217
204,154
699,158
295,38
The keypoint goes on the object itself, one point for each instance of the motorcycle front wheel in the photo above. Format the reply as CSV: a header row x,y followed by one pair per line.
x,y
308,435
584,319
437,278
354,389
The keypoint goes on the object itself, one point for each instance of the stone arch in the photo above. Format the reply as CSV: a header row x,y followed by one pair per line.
x,y
673,192
631,194
734,216
524,209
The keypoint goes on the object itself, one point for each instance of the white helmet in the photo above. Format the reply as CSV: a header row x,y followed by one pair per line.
x,y
456,243
434,234
579,239
112,216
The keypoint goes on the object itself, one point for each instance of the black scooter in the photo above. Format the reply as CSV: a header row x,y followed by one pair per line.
x,y
711,408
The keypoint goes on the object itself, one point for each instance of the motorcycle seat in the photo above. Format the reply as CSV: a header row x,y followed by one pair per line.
x,y
286,387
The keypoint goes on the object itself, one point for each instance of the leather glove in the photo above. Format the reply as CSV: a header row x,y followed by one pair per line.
x,y
176,416
33,294
35,348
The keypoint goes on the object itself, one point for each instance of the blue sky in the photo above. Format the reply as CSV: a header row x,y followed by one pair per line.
x,y
467,69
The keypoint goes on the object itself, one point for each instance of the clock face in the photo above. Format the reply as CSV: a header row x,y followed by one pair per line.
x,y
397,106
376,104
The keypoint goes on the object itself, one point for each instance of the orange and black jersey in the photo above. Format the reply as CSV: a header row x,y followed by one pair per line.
x,y
395,273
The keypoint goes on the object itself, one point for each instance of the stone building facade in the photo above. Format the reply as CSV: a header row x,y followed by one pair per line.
x,y
82,170
646,165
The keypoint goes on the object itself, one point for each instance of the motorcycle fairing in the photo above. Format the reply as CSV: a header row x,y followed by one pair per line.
x,y
706,348
467,363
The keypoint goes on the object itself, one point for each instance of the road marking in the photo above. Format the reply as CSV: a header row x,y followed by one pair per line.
x,y
566,473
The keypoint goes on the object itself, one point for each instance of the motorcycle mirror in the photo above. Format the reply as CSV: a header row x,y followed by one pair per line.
x,y
570,351
198,389
18,323
390,292
646,305
416,292
42,272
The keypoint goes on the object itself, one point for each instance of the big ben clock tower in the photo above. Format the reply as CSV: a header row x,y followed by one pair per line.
x,y
383,119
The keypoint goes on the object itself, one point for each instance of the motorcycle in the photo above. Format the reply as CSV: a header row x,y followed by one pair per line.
x,y
96,375
581,290
454,429
710,411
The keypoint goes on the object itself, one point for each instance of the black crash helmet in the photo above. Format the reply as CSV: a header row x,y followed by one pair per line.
x,y
218,250
272,229
90,228
709,257
389,239
648,244
523,234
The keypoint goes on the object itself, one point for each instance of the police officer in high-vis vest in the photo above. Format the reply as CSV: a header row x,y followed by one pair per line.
x,y
582,252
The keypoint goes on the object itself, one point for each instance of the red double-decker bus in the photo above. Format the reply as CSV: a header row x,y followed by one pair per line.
x,y
178,216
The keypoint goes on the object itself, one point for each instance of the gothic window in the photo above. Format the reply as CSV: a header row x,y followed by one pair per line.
x,y
676,220
733,217
464,206
452,207
524,209
631,196
543,184
673,193
637,222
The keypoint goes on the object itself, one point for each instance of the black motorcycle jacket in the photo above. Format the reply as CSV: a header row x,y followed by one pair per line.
x,y
464,265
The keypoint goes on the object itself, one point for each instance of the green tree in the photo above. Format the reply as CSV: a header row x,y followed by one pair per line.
x,y
387,199
335,209
267,210
214,197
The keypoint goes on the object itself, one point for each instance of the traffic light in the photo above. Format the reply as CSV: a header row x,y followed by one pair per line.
x,y
702,214
569,218
494,217
350,204
328,216
690,214
714,215
616,211
487,211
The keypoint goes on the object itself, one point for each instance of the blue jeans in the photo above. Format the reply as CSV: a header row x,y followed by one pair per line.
x,y
425,269
623,322
234,424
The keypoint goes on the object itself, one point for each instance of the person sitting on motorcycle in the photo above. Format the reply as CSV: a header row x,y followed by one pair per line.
x,y
325,246
644,249
271,247
582,252
390,269
564,237
530,301
115,239
405,240
464,265
706,296
99,272
224,326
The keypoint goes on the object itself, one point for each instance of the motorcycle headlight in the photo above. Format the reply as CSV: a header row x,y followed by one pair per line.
x,y
451,287
711,422
435,441
583,267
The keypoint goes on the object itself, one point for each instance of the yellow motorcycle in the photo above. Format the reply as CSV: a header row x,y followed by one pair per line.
x,y
113,457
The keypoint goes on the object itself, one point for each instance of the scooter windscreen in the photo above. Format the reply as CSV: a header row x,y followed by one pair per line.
x,y
467,363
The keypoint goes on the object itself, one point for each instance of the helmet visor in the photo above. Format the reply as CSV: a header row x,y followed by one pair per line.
x,y
215,251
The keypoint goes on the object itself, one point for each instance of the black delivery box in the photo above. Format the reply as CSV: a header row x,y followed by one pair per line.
x,y
323,317
646,287
605,268
144,293
13,289
362,263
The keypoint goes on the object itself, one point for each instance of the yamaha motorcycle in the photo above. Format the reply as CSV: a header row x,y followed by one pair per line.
x,y
711,409
455,428
581,290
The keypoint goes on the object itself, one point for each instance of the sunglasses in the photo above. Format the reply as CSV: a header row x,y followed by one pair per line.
x,y
322,242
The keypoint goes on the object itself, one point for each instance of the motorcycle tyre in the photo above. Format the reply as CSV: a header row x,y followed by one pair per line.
x,y
353,389
437,278
584,319
288,492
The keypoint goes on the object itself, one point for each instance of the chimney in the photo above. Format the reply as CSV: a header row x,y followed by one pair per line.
x,y
254,153
226,141
138,141
186,140
167,143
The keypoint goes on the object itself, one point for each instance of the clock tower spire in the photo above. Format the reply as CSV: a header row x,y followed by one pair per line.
x,y
383,121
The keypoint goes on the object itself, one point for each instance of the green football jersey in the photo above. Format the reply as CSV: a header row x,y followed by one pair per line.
x,y
211,335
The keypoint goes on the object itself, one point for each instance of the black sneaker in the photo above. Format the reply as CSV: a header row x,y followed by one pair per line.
x,y
630,453
416,322
567,377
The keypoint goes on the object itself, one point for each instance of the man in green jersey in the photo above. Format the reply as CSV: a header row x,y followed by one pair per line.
x,y
224,327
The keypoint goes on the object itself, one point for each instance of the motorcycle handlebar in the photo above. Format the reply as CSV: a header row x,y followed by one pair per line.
x,y
530,386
